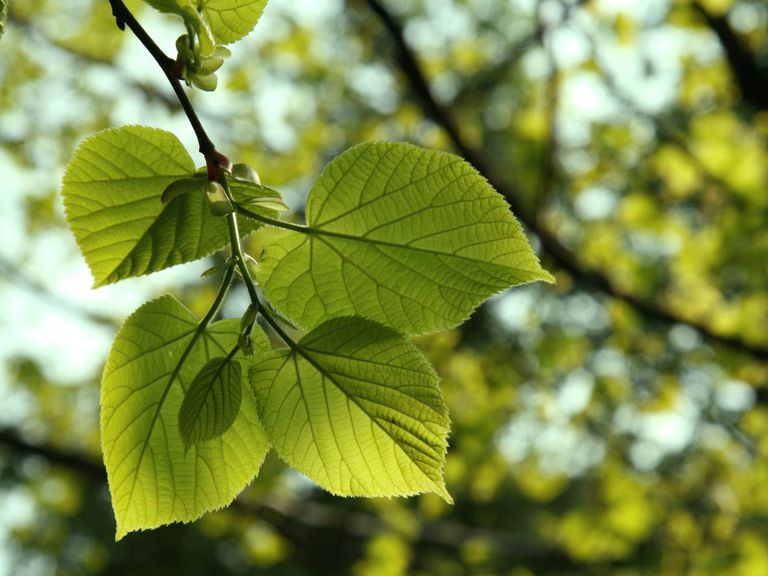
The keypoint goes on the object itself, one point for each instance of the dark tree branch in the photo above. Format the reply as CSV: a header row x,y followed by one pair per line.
x,y
556,250
750,77
149,91
290,516
76,462
11,272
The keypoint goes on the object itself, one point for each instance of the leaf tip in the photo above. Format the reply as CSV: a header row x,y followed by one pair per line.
x,y
546,276
442,492
120,533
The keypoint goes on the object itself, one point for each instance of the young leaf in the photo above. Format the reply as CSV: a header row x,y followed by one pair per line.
x,y
218,202
151,478
180,7
357,408
256,196
231,20
112,195
212,402
187,9
412,238
180,187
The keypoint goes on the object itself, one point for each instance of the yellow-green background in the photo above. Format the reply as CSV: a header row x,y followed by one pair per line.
x,y
589,437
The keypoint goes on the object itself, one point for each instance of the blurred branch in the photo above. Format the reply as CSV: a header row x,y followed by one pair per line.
x,y
290,516
560,254
549,169
750,77
663,129
12,272
489,77
149,91
77,462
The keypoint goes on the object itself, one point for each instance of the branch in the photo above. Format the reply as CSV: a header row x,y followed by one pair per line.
x,y
557,251
149,91
489,77
288,515
11,272
750,77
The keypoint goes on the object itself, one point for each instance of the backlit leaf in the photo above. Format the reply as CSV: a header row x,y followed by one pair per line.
x,y
152,479
357,408
212,402
412,238
112,194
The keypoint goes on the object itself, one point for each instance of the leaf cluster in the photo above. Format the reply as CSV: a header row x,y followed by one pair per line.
x,y
399,241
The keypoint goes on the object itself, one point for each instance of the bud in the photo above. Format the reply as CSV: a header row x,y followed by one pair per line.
x,y
244,172
218,202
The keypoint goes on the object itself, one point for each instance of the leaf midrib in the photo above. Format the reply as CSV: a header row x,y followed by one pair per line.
x,y
174,375
309,232
298,349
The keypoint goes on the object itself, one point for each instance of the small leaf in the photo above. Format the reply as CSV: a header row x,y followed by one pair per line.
x,y
180,187
412,238
357,408
212,403
152,479
218,202
180,7
187,9
207,82
257,198
112,191
246,326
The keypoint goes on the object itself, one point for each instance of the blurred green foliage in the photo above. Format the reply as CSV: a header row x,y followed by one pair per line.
x,y
589,436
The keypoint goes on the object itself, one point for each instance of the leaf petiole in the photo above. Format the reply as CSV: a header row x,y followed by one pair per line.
x,y
226,282
271,221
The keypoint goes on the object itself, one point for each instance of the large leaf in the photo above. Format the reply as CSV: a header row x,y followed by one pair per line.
x,y
412,238
112,190
231,20
212,402
153,481
357,408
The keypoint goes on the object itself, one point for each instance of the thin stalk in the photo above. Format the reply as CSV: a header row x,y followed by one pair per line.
x,y
264,311
237,249
271,221
226,282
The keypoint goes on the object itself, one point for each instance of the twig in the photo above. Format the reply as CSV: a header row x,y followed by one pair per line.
x,y
750,77
214,159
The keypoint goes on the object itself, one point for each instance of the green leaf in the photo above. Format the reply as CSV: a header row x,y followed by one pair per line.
x,y
180,7
151,479
257,198
180,187
212,402
112,195
412,238
357,408
231,20
218,202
